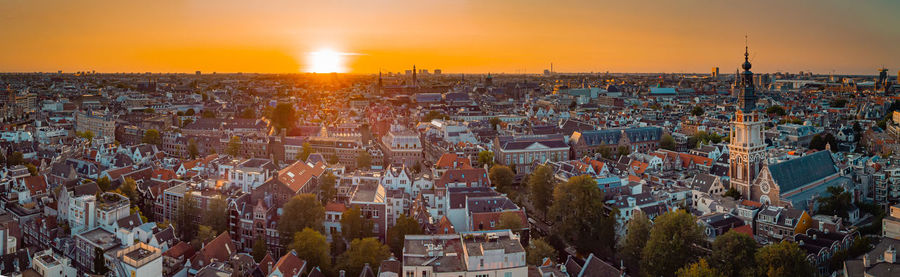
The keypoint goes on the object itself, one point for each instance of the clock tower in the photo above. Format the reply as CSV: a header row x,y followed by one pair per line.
x,y
747,148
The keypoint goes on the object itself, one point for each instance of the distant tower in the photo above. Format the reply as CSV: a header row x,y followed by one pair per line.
x,y
415,83
747,148
380,83
715,72
489,81
882,79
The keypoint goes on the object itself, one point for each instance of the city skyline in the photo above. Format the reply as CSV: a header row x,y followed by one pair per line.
x,y
458,37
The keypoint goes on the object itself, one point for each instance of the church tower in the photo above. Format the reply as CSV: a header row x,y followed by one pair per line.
x,y
747,148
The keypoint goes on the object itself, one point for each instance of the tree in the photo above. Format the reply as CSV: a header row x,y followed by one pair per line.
x,y
431,115
364,159
99,262
624,151
697,111
733,193
284,116
248,113
405,226
204,234
363,251
606,152
185,217
190,112
103,183
667,142
839,103
307,150
129,189
234,146
838,202
216,215
187,122
33,170
638,232
312,247
672,244
777,110
698,269
502,177
302,211
88,135
354,225
819,141
782,259
16,159
259,248
494,121
207,114
152,137
538,250
327,187
332,159
510,220
582,218
486,158
192,149
540,185
733,254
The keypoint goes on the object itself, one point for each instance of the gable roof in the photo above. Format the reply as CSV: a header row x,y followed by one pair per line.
x,y
220,248
792,174
298,174
290,264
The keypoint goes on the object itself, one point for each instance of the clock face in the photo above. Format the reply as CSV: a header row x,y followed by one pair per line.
x,y
764,187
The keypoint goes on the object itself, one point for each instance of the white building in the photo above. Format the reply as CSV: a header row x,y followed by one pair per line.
x,y
49,264
488,253
138,260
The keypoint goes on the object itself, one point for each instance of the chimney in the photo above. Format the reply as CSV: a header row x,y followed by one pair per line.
x,y
342,273
270,267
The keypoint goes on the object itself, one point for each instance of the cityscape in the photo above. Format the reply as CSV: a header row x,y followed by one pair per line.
x,y
445,139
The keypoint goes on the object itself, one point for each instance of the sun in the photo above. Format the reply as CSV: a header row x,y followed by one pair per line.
x,y
326,61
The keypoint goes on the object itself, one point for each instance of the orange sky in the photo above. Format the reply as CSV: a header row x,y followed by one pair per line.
x,y
511,36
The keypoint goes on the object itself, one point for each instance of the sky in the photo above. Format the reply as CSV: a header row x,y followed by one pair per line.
x,y
457,36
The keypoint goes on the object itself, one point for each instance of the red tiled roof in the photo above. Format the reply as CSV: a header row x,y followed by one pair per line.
x,y
335,207
219,249
36,184
163,174
298,174
182,249
290,264
744,229
448,160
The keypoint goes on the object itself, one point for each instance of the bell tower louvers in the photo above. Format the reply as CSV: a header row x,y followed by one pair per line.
x,y
747,148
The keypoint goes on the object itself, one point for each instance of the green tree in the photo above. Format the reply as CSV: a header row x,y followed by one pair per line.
x,y
539,249
312,247
234,146
502,177
698,269
405,226
838,202
782,260
364,159
839,103
186,217
103,183
302,211
777,110
259,249
363,251
667,142
192,149
624,151
128,189
582,218
332,159
486,158
733,193
205,234
88,135
16,159
33,170
606,152
99,262
307,150
431,115
510,220
187,122
540,185
638,232
190,112
494,121
820,141
697,111
284,116
327,187
354,225
672,244
216,215
733,254
152,136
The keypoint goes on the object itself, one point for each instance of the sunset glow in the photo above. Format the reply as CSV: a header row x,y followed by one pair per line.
x,y
326,61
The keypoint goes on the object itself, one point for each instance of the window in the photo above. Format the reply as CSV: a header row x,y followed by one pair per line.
x,y
507,274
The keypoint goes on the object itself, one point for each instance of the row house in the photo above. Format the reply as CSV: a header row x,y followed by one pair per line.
x,y
521,152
